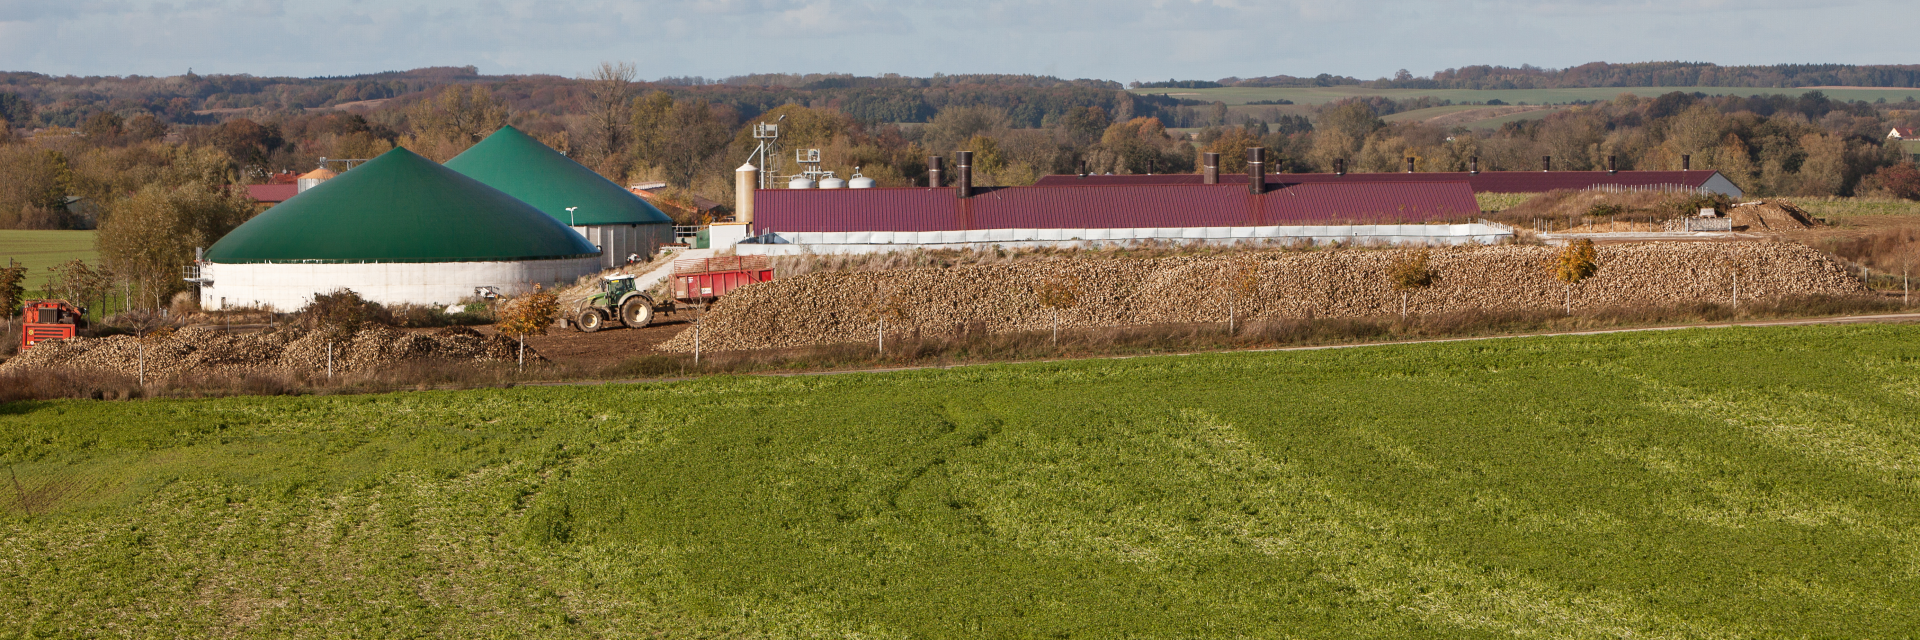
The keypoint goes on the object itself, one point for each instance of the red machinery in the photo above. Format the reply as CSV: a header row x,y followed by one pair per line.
x,y
702,280
50,320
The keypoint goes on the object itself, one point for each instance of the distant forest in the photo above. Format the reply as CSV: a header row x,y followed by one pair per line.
x,y
1601,74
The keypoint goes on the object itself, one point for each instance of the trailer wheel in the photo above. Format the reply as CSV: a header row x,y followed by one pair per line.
x,y
636,312
590,321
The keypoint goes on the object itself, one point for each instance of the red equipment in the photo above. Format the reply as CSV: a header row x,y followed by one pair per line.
x,y
705,279
50,320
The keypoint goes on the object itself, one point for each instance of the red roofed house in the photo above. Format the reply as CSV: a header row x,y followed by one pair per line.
x,y
1901,133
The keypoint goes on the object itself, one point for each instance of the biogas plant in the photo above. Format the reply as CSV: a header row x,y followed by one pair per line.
x,y
507,214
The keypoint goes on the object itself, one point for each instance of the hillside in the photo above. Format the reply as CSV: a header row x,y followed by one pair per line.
x,y
1705,483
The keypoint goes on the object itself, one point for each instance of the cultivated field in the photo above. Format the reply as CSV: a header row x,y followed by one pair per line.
x,y
1322,95
1733,483
38,250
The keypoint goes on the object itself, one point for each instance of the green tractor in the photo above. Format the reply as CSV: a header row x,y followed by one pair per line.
x,y
617,298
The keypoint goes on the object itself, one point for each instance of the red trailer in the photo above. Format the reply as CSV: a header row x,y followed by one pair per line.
x,y
702,280
50,320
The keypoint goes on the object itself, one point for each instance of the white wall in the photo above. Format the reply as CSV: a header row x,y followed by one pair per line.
x,y
288,287
881,241
617,241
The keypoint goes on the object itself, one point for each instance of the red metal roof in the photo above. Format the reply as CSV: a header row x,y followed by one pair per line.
x,y
274,193
1485,182
1107,207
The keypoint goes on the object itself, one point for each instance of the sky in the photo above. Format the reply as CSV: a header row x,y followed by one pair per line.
x,y
1121,40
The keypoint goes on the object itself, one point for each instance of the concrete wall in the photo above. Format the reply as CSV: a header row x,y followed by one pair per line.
x,y
774,244
288,287
616,242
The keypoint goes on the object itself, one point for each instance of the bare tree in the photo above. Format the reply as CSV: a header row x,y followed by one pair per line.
x,y
610,88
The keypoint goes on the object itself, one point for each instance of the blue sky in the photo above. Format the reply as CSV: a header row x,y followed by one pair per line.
x,y
1113,39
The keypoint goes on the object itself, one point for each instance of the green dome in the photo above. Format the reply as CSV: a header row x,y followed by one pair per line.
x,y
514,162
400,207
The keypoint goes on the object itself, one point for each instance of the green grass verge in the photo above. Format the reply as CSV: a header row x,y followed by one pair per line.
x,y
1698,483
41,249
1322,95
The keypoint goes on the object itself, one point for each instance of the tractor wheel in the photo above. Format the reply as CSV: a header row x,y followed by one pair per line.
x,y
636,312
590,321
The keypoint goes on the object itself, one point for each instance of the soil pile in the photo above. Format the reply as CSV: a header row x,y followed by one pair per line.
x,y
203,349
835,307
1770,215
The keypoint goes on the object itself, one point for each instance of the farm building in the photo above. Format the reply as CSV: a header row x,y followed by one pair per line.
x,y
612,218
398,229
843,220
1480,182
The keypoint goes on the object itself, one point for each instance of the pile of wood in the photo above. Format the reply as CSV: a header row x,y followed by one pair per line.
x,y
835,307
203,349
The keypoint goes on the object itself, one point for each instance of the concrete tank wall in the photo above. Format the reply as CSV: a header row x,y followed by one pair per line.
x,y
288,287
616,242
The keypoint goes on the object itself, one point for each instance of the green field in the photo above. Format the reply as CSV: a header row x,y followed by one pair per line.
x,y
1323,95
41,249
1731,483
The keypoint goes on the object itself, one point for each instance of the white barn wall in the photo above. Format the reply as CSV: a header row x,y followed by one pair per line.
x,y
776,244
288,287
618,240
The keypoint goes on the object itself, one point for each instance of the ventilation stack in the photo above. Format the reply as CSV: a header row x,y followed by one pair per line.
x,y
1256,170
963,174
934,171
1211,173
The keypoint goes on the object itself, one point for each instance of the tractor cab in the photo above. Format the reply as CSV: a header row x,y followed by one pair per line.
x,y
617,286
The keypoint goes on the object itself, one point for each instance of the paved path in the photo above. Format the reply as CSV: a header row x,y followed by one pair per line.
x,y
1885,318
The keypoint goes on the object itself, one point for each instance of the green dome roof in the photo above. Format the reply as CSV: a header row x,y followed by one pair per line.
x,y
400,207
514,162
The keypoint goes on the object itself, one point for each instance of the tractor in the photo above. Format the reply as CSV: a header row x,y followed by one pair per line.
x,y
617,298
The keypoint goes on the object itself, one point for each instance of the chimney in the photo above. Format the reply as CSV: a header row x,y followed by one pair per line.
x,y
1546,163
1686,163
743,179
1256,170
1610,165
963,174
1210,174
1339,166
1473,165
1409,165
933,171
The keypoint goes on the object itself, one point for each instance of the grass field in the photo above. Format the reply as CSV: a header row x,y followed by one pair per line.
x,y
1323,95
1839,209
41,249
1703,483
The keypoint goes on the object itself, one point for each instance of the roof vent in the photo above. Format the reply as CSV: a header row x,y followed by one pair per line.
x,y
800,182
1211,174
859,181
934,170
833,183
1473,165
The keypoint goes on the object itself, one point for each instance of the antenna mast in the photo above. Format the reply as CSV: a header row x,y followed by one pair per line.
x,y
769,151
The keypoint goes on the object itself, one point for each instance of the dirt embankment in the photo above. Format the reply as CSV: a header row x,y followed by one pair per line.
x,y
826,308
203,349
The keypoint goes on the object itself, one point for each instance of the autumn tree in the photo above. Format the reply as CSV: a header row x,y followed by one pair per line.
x,y
1240,280
151,235
12,294
1574,264
449,123
1412,272
1057,293
527,315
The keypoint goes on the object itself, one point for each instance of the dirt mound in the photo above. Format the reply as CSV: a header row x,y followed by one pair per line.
x,y
203,349
1770,215
830,307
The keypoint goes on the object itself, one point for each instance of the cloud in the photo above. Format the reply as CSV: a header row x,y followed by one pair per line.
x,y
1115,39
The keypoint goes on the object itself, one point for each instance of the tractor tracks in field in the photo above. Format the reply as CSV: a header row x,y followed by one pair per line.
x,y
1884,318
